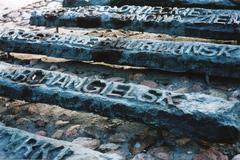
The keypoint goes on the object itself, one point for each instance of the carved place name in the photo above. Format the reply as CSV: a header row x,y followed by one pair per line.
x,y
158,14
177,3
28,147
93,86
171,48
187,15
186,113
178,21
159,47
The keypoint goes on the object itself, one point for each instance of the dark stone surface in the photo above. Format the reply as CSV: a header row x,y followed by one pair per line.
x,y
196,57
195,22
198,115
174,3
18,144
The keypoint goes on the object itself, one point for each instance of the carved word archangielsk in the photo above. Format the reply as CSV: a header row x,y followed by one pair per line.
x,y
93,86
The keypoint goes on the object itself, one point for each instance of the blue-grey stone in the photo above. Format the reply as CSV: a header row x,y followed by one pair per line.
x,y
193,57
234,4
194,22
19,144
196,115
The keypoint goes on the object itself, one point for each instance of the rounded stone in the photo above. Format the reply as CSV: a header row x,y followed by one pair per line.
x,y
87,142
149,83
58,134
41,133
109,147
143,156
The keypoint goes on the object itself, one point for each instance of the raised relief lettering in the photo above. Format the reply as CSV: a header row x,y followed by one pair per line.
x,y
75,83
177,50
222,19
121,90
61,81
10,74
64,152
47,150
27,146
168,98
22,75
48,78
147,46
227,51
14,141
150,96
42,152
208,51
95,86
23,145
35,77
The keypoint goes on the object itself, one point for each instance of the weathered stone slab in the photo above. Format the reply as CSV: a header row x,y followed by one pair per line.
x,y
195,114
207,58
195,22
18,144
234,4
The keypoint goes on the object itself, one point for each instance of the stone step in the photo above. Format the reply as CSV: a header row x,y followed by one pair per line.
x,y
234,4
19,144
193,22
193,57
197,115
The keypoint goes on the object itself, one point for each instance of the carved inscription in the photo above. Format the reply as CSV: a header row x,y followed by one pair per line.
x,y
152,106
159,14
31,148
171,48
93,86
188,15
201,3
131,45
194,22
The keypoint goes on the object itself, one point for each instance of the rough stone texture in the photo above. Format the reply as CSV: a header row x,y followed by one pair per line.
x,y
109,147
198,115
18,144
210,154
195,57
87,142
143,156
194,22
183,3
